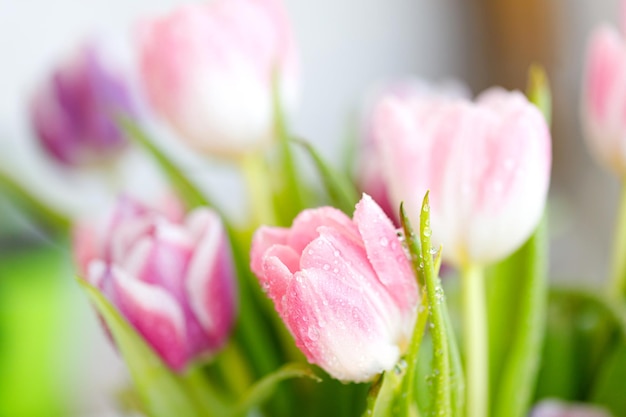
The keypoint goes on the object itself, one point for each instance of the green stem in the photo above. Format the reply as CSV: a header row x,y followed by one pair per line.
x,y
255,174
475,341
617,280
40,210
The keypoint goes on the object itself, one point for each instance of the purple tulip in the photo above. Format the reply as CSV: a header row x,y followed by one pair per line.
x,y
73,113
172,279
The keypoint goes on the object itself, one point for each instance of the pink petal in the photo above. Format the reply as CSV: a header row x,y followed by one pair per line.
x,y
210,282
386,253
263,239
156,316
279,264
337,328
605,68
305,225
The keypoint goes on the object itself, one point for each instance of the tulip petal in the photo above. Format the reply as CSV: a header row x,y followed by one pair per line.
x,y
263,239
305,225
210,283
331,322
385,252
155,314
279,264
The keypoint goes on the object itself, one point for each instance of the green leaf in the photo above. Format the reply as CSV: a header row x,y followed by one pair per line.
x,y
289,198
442,383
382,400
187,190
609,389
40,211
585,328
342,192
162,392
408,401
264,388
526,276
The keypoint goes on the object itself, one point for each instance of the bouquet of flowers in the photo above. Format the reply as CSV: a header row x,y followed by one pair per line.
x,y
411,282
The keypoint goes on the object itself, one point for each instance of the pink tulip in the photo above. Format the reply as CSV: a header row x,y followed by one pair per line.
x,y
73,113
172,280
486,164
343,287
369,169
208,69
553,408
603,104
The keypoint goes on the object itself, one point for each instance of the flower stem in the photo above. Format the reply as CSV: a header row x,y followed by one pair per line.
x,y
617,280
259,189
475,341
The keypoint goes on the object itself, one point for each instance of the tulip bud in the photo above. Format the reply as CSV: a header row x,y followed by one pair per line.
x,y
553,408
172,280
208,69
344,288
73,113
486,164
604,98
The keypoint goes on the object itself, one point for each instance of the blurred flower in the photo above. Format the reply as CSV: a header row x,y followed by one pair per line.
x,y
343,287
171,278
604,98
208,69
552,408
73,113
369,169
487,165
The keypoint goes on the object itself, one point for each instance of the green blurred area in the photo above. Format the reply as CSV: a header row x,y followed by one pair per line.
x,y
34,312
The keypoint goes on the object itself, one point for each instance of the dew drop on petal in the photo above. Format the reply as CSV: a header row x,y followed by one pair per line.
x,y
313,333
383,241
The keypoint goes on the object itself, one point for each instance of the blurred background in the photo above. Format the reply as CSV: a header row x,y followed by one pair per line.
x,y
67,367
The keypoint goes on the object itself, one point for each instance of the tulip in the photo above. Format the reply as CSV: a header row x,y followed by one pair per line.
x,y
73,113
553,408
209,69
343,287
486,164
172,280
604,98
369,169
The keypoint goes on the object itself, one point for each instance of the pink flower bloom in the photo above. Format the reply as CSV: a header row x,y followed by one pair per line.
x,y
343,287
172,280
487,165
208,69
369,169
603,104
73,113
553,408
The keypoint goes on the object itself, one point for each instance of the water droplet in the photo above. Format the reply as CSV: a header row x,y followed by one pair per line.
x,y
427,232
310,252
383,241
336,253
313,333
426,208
326,267
335,270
